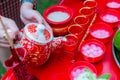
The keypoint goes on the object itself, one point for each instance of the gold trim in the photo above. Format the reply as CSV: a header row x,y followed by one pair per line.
x,y
87,8
81,16
90,1
75,25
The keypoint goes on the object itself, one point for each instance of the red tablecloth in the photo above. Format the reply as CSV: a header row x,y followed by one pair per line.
x,y
57,66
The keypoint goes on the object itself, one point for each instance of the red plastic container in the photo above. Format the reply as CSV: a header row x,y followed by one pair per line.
x,y
60,23
92,50
110,16
81,65
113,4
101,31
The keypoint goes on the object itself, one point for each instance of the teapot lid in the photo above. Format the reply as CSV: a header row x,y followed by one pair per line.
x,y
38,33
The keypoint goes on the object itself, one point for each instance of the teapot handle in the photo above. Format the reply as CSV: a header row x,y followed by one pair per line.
x,y
19,36
19,50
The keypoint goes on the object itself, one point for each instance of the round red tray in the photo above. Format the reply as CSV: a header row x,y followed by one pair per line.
x,y
56,67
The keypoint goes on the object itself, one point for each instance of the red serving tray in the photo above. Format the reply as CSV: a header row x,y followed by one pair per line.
x,y
57,66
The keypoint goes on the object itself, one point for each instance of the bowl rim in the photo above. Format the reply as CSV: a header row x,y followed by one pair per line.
x,y
108,1
109,29
108,11
92,41
68,9
84,64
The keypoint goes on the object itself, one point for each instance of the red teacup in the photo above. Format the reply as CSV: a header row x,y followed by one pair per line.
x,y
90,3
82,21
87,11
71,42
76,29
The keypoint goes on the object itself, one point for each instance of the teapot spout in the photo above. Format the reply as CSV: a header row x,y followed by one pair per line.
x,y
57,42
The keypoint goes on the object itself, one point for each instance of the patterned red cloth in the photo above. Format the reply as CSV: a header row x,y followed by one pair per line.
x,y
11,9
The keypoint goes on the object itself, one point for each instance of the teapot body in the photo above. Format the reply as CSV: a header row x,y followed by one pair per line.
x,y
31,49
32,53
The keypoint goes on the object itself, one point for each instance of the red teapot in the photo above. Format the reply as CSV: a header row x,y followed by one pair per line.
x,y
35,44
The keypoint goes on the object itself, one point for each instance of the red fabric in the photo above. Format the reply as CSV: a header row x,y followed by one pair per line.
x,y
56,68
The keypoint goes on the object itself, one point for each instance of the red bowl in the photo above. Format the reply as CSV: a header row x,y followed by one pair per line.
x,y
92,50
80,65
71,42
110,16
113,4
101,31
58,8
57,12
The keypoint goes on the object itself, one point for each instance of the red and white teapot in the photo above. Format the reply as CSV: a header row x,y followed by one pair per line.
x,y
35,45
